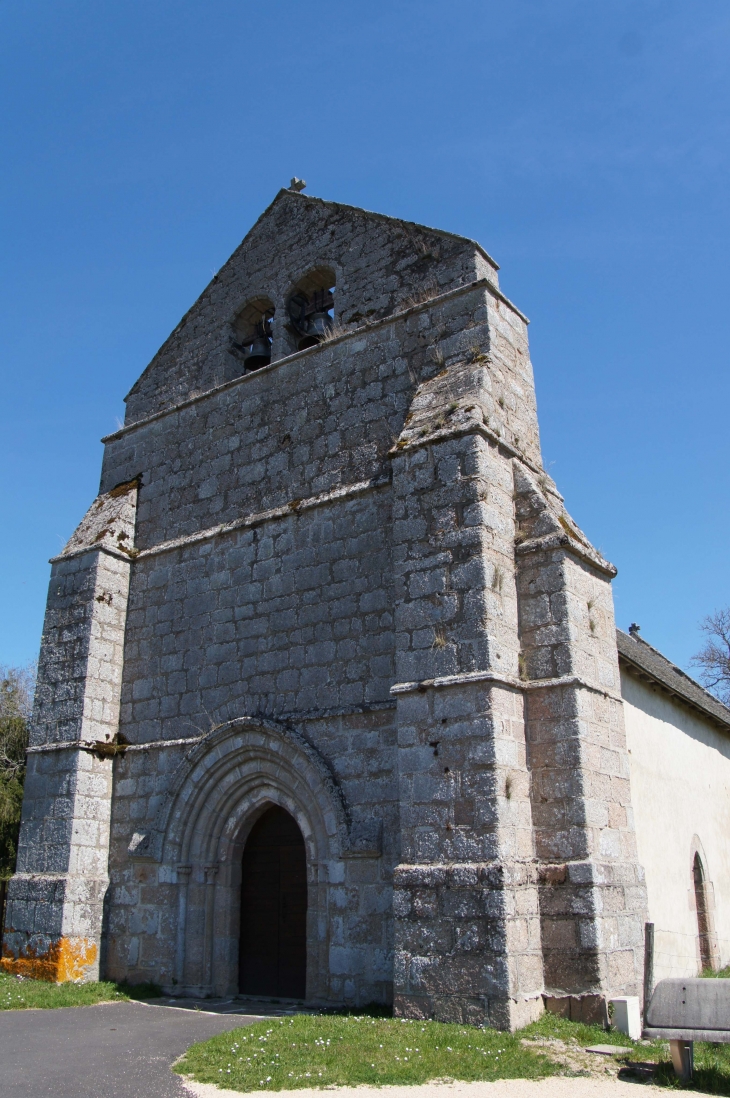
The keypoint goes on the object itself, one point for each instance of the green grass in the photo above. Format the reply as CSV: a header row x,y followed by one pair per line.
x,y
711,1074
347,1050
352,1050
712,1062
25,994
550,1025
317,1051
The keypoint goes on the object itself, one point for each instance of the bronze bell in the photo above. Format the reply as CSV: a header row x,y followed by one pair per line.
x,y
318,327
260,353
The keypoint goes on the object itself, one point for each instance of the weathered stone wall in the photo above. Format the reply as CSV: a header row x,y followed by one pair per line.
x,y
53,923
327,417
289,621
592,895
291,614
345,804
466,896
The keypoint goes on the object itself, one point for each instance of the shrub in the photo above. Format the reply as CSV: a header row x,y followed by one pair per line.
x,y
16,697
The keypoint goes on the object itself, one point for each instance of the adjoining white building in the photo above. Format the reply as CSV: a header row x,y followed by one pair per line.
x,y
678,739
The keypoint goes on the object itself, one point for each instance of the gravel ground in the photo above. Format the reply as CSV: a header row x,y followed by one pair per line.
x,y
554,1087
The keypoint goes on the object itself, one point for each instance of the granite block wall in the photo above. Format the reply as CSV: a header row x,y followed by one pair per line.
x,y
54,914
466,892
592,894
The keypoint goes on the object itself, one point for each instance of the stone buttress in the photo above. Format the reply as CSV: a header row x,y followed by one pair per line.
x,y
519,873
466,903
55,905
592,890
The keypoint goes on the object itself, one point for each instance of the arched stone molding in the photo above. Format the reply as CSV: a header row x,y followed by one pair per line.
x,y
216,795
305,277
208,762
312,267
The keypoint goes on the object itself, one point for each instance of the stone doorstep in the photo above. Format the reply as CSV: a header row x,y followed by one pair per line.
x,y
249,1006
202,1006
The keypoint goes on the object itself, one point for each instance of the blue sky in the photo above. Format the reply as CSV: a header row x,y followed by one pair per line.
x,y
585,145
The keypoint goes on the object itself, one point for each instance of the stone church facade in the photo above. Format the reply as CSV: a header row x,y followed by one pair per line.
x,y
329,612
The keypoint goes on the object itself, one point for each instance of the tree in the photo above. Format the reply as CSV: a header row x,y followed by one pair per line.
x,y
16,700
714,659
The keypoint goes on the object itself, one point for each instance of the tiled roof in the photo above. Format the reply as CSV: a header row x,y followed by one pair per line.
x,y
639,658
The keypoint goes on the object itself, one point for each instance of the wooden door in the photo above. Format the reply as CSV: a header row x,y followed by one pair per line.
x,y
273,946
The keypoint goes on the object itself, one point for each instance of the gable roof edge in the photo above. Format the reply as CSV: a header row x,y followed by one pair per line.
x,y
640,658
389,217
207,286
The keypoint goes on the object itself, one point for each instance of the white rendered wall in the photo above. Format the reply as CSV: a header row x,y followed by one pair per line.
x,y
680,790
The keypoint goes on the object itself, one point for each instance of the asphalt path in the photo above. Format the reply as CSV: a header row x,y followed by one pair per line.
x,y
112,1050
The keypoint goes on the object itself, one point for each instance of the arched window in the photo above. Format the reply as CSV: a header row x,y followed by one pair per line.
x,y
311,308
251,340
703,914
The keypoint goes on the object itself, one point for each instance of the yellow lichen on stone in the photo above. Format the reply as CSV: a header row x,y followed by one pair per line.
x,y
68,959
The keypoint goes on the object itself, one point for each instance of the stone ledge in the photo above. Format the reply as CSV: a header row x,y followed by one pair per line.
x,y
293,507
74,554
464,875
191,741
565,541
472,428
501,680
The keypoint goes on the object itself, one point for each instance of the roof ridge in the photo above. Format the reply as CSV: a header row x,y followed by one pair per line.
x,y
674,666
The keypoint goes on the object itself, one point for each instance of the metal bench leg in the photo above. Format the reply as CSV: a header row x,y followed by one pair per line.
x,y
683,1059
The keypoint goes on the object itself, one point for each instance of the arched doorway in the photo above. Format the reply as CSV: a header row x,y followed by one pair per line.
x,y
703,915
273,943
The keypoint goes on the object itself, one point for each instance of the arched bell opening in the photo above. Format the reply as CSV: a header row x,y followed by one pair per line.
x,y
311,309
251,340
273,924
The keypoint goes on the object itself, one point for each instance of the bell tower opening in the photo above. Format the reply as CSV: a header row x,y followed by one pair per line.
x,y
251,339
311,308
273,943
